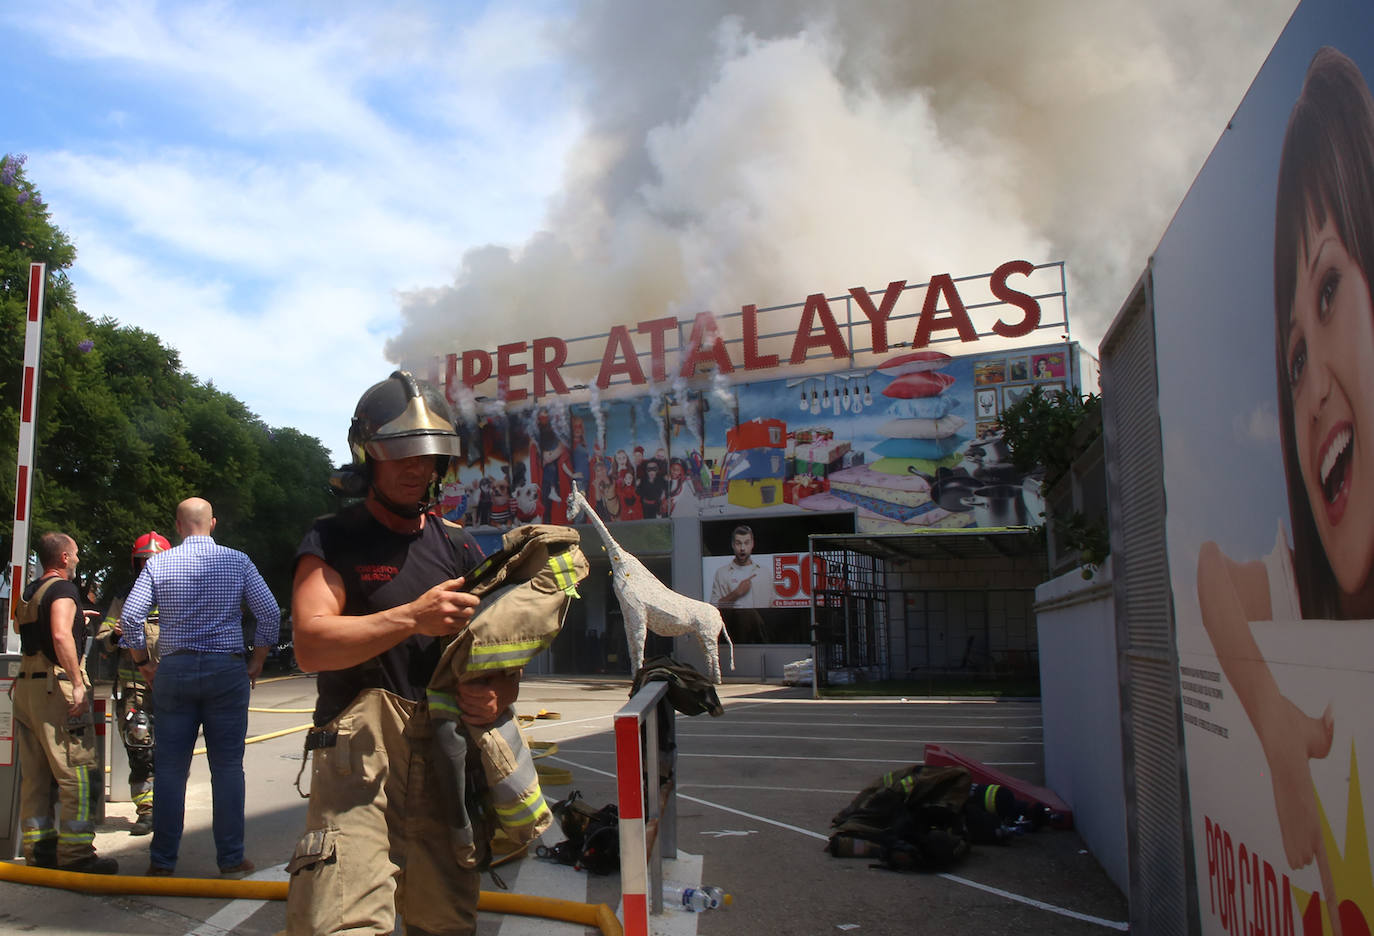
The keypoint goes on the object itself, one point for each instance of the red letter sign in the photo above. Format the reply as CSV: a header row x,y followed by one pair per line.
x,y
1026,303
506,369
816,304
752,361
619,340
877,318
548,369
704,331
943,284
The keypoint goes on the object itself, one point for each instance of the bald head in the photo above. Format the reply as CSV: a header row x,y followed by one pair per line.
x,y
195,517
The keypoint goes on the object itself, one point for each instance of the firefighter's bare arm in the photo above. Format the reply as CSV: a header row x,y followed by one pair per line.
x,y
327,639
60,616
483,700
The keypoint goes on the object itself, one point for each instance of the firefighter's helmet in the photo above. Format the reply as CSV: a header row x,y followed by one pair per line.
x,y
400,417
149,545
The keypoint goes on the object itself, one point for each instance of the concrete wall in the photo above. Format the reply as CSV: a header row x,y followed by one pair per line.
x,y
1081,707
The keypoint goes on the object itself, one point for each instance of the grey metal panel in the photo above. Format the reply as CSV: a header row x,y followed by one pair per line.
x,y
1159,844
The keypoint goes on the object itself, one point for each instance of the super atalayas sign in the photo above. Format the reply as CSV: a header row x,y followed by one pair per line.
x,y
943,310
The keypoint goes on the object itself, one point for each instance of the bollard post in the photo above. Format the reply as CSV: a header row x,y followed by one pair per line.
x,y
98,787
647,803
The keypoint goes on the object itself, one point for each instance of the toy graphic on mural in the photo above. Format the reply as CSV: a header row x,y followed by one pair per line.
x,y
649,605
1323,269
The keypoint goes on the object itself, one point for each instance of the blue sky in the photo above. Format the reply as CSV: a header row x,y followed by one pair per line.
x,y
299,195
255,187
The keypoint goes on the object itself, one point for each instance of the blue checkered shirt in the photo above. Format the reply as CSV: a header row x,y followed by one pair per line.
x,y
199,589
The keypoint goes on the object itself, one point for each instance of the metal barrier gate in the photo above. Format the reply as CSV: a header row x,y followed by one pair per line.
x,y
646,788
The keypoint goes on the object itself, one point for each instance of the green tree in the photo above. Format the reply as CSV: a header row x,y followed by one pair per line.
x,y
1050,432
124,433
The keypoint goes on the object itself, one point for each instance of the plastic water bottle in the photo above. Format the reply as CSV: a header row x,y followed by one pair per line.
x,y
694,899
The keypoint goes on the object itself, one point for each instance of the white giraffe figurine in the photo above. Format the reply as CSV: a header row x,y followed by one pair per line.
x,y
649,605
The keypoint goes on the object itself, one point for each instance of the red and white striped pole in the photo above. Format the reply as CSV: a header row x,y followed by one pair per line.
x,y
28,411
634,864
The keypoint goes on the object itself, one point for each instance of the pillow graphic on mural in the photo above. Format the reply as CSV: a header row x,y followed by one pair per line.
x,y
922,428
914,363
925,383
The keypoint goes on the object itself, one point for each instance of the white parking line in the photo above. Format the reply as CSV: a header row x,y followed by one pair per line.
x,y
851,723
225,920
724,736
546,878
843,760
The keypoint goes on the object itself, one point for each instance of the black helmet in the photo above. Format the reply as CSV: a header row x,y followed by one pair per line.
x,y
400,417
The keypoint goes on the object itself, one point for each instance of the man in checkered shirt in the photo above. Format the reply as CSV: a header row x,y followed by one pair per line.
x,y
203,679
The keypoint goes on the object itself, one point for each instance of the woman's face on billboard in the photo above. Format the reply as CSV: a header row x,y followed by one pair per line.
x,y
1330,358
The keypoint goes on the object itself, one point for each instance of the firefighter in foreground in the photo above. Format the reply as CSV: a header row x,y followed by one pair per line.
x,y
378,590
133,696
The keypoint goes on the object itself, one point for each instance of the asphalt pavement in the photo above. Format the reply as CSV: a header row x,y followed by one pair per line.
x,y
757,789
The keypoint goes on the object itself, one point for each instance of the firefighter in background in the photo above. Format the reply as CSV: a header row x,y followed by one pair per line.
x,y
133,696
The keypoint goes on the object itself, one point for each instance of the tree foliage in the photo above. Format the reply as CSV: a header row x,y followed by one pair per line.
x,y
123,432
1041,430
1053,431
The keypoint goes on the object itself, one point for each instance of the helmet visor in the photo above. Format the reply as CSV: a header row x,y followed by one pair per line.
x,y
393,447
422,428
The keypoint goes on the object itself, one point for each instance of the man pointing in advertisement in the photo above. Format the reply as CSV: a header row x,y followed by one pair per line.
x,y
742,582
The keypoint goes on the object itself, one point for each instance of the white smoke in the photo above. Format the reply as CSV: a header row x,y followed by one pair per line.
x,y
755,152
594,402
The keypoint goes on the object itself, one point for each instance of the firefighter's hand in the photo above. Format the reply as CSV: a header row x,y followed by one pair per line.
x,y
483,700
80,700
444,609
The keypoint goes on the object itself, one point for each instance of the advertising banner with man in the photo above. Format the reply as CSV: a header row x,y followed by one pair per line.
x,y
1265,343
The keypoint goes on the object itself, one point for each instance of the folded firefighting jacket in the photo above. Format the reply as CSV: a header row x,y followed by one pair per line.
x,y
525,589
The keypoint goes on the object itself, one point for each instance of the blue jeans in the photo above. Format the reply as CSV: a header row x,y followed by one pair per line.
x,y
194,691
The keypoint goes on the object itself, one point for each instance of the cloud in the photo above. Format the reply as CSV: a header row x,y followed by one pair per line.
x,y
255,185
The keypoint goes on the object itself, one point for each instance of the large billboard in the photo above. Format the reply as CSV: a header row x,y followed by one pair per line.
x,y
910,443
1265,343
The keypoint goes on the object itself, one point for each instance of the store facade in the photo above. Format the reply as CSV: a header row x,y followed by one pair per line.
x,y
716,448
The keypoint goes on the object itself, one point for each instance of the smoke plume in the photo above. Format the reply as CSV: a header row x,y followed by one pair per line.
x,y
755,152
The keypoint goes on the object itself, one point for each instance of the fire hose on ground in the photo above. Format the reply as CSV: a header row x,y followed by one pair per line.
x,y
568,911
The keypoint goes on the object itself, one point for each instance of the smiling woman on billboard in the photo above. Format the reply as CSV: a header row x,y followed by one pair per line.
x,y
1324,349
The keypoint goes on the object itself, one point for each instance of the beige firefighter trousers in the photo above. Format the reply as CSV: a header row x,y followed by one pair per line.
x,y
53,753
375,845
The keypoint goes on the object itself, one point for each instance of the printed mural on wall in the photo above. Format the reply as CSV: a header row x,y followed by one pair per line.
x,y
911,444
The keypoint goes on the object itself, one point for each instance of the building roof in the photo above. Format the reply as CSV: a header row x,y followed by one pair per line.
x,y
972,543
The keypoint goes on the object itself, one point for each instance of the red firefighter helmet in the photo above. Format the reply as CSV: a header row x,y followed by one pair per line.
x,y
149,545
